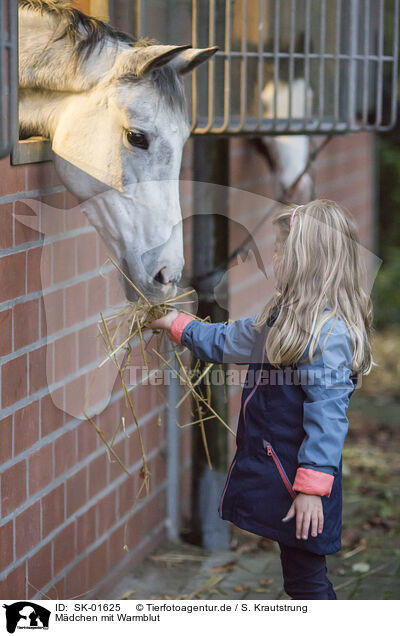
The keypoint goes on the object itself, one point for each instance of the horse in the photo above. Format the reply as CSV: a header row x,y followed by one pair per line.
x,y
114,110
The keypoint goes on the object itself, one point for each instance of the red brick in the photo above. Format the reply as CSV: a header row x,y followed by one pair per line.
x,y
38,370
116,546
51,416
6,434
76,491
14,586
76,396
53,510
127,493
64,356
106,513
54,311
86,530
5,332
97,295
98,566
64,452
97,474
12,177
26,323
86,249
64,259
33,267
6,545
40,175
24,233
27,530
75,304
88,345
87,439
53,213
40,468
39,570
6,237
12,276
26,427
13,487
76,580
64,548
14,381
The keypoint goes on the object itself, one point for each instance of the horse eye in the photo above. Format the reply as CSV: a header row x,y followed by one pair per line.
x,y
137,139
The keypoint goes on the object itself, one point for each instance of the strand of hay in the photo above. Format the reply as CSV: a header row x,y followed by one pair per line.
x,y
117,331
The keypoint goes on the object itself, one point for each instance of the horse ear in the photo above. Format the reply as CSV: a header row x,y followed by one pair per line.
x,y
189,59
156,55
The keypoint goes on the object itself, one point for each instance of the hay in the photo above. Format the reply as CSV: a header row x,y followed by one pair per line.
x,y
117,331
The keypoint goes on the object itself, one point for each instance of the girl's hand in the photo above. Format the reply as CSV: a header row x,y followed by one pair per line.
x,y
165,322
307,509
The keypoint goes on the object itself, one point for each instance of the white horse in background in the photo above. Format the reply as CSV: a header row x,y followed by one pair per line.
x,y
115,112
289,153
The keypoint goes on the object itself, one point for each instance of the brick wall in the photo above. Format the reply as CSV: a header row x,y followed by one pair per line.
x,y
65,509
64,505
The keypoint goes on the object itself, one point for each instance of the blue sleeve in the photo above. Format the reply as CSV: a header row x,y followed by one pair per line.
x,y
219,342
327,385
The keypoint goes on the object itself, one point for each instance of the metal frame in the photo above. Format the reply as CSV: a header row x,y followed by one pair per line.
x,y
344,52
8,74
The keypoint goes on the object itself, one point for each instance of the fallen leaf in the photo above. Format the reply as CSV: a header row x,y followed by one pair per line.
x,y
266,582
127,595
229,567
241,588
361,567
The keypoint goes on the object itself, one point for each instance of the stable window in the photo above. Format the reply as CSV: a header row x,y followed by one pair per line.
x,y
34,149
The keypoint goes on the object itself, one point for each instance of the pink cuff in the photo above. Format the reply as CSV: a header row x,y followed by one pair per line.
x,y
313,482
178,325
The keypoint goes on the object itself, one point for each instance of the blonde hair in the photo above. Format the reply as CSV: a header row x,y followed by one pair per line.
x,y
319,267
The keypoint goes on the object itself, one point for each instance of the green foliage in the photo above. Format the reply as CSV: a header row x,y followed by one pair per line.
x,y
386,293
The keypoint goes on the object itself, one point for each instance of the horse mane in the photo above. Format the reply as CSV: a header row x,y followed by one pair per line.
x,y
85,32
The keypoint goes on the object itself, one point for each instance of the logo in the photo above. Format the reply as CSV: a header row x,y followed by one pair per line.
x,y
24,615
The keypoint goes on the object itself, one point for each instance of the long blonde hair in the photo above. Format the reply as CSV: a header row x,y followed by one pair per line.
x,y
319,267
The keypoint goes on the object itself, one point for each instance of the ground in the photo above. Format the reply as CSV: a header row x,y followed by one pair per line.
x,y
368,566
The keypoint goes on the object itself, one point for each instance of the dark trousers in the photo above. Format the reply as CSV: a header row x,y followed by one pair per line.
x,y
304,574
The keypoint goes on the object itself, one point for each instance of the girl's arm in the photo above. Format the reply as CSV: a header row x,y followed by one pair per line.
x,y
328,385
216,342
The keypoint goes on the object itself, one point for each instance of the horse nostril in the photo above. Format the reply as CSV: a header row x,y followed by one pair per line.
x,y
162,277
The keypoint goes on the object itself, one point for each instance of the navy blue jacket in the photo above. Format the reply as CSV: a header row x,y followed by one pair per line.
x,y
291,428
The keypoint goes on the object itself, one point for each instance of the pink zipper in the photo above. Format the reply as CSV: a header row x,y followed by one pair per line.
x,y
271,453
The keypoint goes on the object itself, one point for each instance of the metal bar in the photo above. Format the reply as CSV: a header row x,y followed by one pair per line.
x,y
366,67
211,66
194,73
379,90
352,82
321,101
227,69
307,115
260,67
395,67
291,59
276,59
337,65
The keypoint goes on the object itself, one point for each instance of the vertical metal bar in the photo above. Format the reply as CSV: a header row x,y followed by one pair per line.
x,y
260,62
336,88
211,66
243,74
366,66
379,90
291,61
307,115
227,69
352,82
321,101
194,73
276,61
393,115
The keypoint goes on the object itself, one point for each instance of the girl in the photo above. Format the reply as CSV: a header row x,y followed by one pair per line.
x,y
305,351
